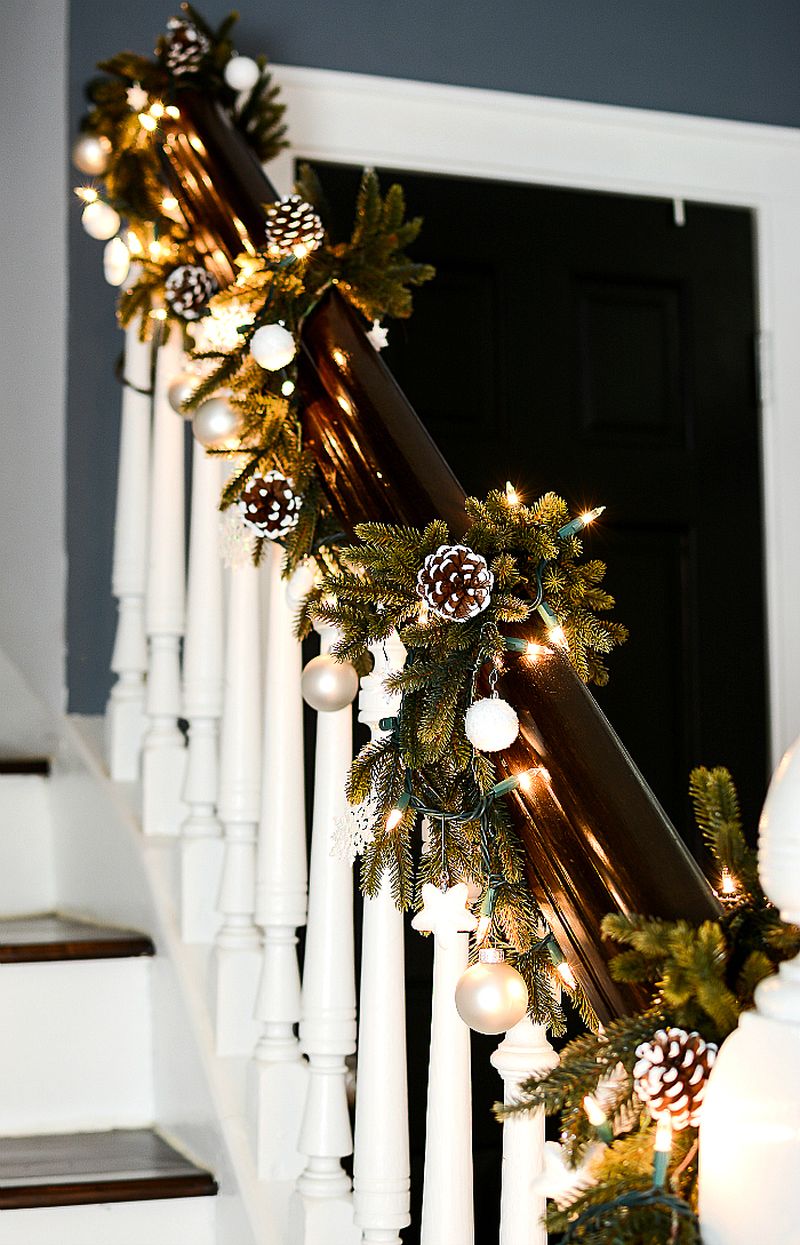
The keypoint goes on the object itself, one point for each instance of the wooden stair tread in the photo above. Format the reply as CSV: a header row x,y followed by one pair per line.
x,y
25,765
76,1169
51,936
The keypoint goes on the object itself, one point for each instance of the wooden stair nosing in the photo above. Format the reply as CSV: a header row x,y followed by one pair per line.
x,y
50,936
25,765
86,1193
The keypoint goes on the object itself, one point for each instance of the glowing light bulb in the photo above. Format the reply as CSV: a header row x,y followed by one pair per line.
x,y
512,496
728,885
594,1112
287,388
526,780
87,193
134,243
169,203
557,636
663,1149
424,614
566,974
173,111
396,815
147,122
534,651
157,109
589,516
158,313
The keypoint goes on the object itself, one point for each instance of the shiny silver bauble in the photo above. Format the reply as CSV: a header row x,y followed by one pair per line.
x,y
179,390
491,724
241,73
91,154
328,684
217,426
491,996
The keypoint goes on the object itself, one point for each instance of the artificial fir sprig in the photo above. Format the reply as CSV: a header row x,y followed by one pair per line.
x,y
426,767
701,979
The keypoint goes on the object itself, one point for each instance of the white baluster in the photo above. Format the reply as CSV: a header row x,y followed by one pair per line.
x,y
279,1073
201,846
447,1212
237,953
381,1167
750,1122
164,753
125,719
322,1211
524,1052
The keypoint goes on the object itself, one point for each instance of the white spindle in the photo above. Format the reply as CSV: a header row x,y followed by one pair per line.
x,y
381,1170
447,1211
201,848
328,1024
524,1052
279,1071
237,954
125,720
164,754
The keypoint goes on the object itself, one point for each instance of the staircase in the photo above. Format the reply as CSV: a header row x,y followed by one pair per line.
x,y
108,1129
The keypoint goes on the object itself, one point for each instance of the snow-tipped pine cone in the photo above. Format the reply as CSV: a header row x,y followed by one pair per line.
x,y
269,505
187,290
186,47
671,1074
455,583
293,228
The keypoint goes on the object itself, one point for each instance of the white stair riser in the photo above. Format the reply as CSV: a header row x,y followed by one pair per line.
x,y
27,876
75,1046
175,1221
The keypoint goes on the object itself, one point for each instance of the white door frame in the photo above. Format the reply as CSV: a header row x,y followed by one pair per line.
x,y
363,120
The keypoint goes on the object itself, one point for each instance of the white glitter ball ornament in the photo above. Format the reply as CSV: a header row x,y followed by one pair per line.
x,y
242,73
273,347
491,724
100,220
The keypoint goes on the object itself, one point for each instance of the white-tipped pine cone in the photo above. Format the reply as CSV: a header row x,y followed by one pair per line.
x,y
187,290
269,505
293,228
186,47
455,583
671,1074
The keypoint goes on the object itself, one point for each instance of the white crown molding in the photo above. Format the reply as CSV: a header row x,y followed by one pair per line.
x,y
428,127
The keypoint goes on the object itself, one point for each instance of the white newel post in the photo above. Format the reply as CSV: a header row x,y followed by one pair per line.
x,y
279,1072
201,846
750,1117
322,1211
447,1209
237,953
164,753
381,1166
125,716
524,1052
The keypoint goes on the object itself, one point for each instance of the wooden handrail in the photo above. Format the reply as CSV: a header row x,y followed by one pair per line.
x,y
597,840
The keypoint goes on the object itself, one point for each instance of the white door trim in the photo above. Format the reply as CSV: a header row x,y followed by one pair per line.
x,y
366,120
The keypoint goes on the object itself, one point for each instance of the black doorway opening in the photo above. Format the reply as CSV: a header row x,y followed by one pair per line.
x,y
591,344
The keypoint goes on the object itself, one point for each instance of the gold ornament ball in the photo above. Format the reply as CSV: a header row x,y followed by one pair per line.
x,y
491,996
273,347
328,684
216,425
91,153
179,390
100,220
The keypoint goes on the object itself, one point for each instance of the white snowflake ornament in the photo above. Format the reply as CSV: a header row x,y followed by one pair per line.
x,y
378,336
561,1183
354,830
136,97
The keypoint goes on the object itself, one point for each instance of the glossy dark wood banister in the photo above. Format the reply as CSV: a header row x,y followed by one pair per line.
x,y
596,839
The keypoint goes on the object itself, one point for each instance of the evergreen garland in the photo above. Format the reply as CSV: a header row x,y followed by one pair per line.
x,y
125,107
701,978
426,767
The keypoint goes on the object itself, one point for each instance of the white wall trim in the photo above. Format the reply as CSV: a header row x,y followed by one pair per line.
x,y
428,127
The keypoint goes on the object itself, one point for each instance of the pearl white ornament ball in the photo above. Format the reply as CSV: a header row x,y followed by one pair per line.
x,y
100,220
180,388
273,347
328,684
491,724
242,73
216,425
91,153
116,261
491,996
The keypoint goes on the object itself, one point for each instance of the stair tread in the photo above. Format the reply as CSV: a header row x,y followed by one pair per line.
x,y
53,936
70,1169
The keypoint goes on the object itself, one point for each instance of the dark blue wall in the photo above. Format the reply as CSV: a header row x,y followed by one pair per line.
x,y
723,58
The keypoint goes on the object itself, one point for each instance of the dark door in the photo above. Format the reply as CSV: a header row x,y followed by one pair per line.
x,y
588,343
